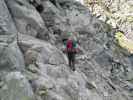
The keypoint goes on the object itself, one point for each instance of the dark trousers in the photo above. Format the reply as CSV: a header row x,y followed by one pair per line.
x,y
71,58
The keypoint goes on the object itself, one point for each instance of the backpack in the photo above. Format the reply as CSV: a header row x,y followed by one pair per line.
x,y
71,45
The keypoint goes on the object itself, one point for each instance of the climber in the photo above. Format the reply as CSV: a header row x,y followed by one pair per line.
x,y
71,49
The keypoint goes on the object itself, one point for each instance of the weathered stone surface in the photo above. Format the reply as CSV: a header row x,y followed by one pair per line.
x,y
55,80
16,87
27,19
11,57
116,13
60,84
102,68
103,72
68,16
40,51
6,22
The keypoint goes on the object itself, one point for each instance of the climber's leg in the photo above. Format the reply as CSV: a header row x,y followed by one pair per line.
x,y
73,61
69,59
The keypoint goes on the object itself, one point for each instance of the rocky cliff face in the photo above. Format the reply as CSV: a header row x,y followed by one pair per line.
x,y
33,67
117,13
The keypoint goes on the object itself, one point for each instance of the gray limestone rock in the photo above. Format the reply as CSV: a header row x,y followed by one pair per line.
x,y
7,26
103,72
16,87
27,19
11,57
40,51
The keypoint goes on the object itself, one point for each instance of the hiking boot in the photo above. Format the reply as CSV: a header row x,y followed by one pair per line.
x,y
73,69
